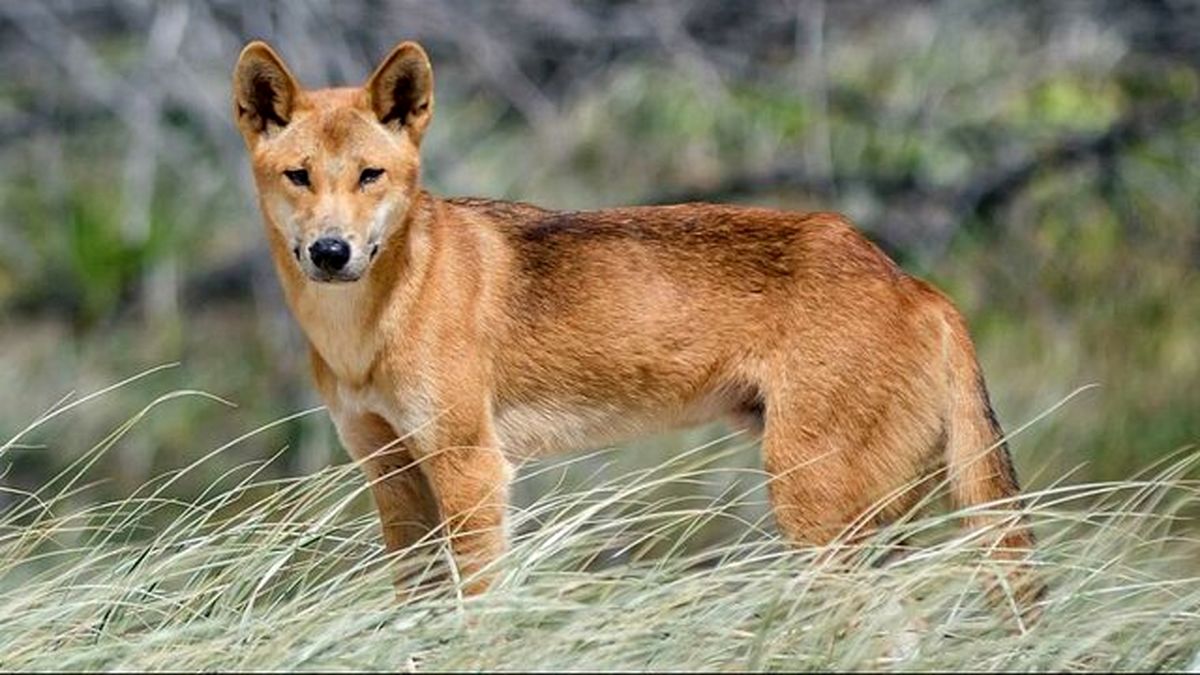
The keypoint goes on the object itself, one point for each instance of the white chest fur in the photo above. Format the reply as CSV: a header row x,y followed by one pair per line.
x,y
332,317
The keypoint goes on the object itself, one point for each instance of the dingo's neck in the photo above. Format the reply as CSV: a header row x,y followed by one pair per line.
x,y
340,321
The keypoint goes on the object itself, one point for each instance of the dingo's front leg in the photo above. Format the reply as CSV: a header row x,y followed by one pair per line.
x,y
407,511
469,478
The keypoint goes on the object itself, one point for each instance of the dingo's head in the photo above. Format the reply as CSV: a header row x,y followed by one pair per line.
x,y
336,169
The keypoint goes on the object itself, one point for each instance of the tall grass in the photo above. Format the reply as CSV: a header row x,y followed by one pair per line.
x,y
290,574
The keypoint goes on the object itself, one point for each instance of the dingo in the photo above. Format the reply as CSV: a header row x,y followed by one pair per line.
x,y
452,336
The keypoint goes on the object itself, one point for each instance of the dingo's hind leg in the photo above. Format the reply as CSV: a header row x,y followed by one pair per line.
x,y
832,475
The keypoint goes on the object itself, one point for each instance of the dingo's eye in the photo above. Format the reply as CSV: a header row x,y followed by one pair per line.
x,y
369,175
299,177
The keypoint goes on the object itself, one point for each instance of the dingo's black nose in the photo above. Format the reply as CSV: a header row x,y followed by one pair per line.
x,y
330,254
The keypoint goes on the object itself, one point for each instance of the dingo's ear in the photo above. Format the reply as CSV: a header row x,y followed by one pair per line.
x,y
264,91
401,90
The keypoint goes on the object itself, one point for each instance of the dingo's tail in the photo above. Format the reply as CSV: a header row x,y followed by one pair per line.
x,y
980,467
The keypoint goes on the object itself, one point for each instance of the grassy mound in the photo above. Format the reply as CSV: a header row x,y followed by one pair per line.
x,y
290,574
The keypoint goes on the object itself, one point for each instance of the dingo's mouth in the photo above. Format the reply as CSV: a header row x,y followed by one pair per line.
x,y
334,279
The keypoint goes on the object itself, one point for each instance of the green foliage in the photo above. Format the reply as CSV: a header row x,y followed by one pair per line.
x,y
89,256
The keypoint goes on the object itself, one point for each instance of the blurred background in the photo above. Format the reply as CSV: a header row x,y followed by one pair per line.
x,y
1040,161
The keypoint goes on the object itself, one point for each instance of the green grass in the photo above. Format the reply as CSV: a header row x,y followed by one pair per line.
x,y
290,574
